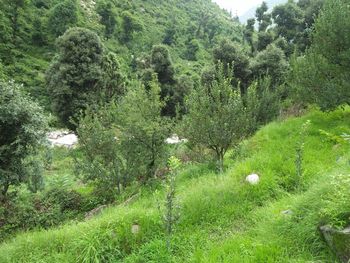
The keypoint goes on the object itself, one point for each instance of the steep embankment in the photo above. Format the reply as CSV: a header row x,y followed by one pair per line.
x,y
223,219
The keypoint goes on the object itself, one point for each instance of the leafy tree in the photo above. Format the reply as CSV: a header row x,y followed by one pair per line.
x,y
192,49
289,19
231,55
130,24
113,78
263,18
262,103
311,10
264,39
5,38
38,35
270,62
217,117
108,17
170,34
162,64
15,9
75,73
63,16
321,76
101,162
142,130
22,133
249,33
2,72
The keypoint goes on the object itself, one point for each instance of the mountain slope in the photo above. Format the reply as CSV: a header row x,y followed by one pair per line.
x,y
223,219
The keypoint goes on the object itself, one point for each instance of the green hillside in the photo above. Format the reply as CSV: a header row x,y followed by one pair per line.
x,y
30,28
222,217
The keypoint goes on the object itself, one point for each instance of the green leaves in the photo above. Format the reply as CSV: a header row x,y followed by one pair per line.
x,y
22,133
217,117
321,76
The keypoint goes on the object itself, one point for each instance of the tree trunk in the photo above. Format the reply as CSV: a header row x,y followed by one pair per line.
x,y
220,160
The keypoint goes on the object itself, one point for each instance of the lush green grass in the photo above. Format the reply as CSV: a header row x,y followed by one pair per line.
x,y
223,219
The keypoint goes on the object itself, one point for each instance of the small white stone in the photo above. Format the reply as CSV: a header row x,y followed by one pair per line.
x,y
135,229
252,179
174,139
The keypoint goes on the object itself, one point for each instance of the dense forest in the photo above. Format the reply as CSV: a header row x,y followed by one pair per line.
x,y
199,138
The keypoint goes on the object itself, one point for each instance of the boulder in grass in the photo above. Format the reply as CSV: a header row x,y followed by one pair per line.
x,y
252,179
338,241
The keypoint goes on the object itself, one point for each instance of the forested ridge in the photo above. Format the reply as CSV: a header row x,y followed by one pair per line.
x,y
192,137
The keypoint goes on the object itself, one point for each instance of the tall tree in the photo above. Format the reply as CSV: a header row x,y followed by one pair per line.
x,y
289,19
108,17
249,33
270,62
63,16
75,73
263,17
130,25
233,56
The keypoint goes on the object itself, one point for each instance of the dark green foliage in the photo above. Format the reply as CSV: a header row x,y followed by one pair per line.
x,y
263,103
311,9
249,32
264,39
15,10
289,19
270,62
130,25
162,64
63,16
75,74
321,76
263,17
232,56
170,34
22,133
192,49
108,17
123,141
38,36
113,79
5,38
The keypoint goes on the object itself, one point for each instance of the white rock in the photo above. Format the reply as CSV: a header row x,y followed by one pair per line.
x,y
174,139
252,179
62,138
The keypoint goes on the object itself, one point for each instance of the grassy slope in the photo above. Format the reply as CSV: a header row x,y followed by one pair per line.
x,y
222,218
